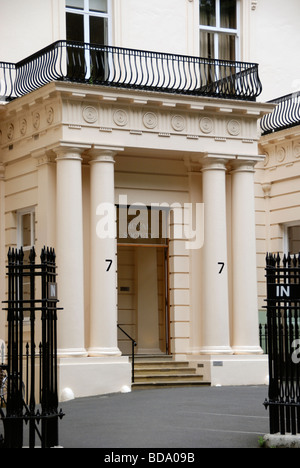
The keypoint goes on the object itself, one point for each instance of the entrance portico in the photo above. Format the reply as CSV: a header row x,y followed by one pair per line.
x,y
153,148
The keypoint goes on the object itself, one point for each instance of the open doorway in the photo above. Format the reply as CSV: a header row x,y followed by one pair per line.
x,y
143,294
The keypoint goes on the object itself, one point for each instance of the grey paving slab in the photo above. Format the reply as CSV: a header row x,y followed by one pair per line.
x,y
227,417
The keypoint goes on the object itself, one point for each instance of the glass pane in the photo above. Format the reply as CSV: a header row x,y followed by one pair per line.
x,y
228,14
98,5
227,47
142,225
75,29
207,46
78,4
26,230
294,239
208,12
98,30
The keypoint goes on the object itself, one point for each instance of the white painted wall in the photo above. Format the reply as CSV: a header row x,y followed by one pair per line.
x,y
156,25
274,44
270,34
28,26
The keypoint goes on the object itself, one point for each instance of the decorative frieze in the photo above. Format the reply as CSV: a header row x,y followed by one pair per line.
x,y
206,125
120,118
280,153
107,117
234,127
90,114
150,120
178,123
23,127
26,123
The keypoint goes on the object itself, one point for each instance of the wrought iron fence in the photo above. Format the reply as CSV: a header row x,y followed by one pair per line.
x,y
286,114
129,68
283,312
31,394
263,338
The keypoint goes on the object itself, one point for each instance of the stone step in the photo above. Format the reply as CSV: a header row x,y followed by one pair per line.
x,y
167,370
152,357
161,365
163,371
170,384
168,378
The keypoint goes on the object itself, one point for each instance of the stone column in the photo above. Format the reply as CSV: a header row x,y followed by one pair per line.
x,y
245,302
69,249
103,261
215,324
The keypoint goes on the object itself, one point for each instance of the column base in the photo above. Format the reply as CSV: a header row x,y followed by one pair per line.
x,y
99,352
85,377
247,350
216,350
242,370
72,352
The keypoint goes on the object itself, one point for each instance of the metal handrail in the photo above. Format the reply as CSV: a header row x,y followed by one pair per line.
x,y
135,69
133,345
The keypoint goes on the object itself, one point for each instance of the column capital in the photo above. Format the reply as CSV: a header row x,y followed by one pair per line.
x,y
244,164
214,164
100,154
66,153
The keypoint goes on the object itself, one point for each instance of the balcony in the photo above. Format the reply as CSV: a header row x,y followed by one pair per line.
x,y
286,115
128,68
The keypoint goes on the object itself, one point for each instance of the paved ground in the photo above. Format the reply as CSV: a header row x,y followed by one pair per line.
x,y
227,417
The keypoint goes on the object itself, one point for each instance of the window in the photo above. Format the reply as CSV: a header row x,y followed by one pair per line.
x,y
88,21
292,239
219,29
26,240
26,231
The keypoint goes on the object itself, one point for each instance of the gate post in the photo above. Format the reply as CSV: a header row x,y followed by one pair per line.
x,y
13,423
21,405
283,310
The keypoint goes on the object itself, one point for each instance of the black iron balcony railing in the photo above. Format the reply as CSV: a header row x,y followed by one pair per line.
x,y
286,114
128,68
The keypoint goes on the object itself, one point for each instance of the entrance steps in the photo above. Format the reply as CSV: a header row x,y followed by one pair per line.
x,y
163,372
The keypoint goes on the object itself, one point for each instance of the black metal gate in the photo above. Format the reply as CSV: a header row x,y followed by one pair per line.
x,y
30,371
283,311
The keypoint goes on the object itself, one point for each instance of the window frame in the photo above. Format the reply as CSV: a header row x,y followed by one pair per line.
x,y
286,244
20,240
218,30
20,244
87,13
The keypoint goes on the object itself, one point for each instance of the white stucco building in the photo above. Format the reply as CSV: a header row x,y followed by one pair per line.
x,y
84,128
